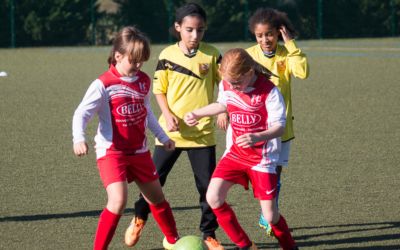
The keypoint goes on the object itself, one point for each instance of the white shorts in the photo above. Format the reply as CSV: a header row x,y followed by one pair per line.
x,y
284,155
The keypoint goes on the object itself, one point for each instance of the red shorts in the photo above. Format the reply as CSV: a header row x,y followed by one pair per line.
x,y
240,172
117,166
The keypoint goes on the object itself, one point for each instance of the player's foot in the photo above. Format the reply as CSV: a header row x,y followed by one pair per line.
x,y
252,247
265,225
167,245
133,232
213,244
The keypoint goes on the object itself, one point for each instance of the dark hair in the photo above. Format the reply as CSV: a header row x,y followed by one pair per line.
x,y
130,40
189,9
273,17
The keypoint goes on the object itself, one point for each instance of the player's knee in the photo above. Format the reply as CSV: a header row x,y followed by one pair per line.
x,y
213,199
117,205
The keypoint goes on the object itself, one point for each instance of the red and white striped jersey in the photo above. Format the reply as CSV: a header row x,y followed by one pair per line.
x,y
123,108
252,111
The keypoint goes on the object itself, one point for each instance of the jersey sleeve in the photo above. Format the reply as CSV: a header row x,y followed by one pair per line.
x,y
217,65
297,60
153,124
221,94
276,108
160,81
89,106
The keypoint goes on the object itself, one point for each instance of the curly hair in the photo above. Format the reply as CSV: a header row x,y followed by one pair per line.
x,y
273,17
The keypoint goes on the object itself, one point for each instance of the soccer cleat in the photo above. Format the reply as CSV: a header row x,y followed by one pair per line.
x,y
213,244
265,225
252,247
167,245
133,232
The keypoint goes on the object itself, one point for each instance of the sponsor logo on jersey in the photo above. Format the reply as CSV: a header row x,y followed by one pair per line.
x,y
142,87
169,66
244,119
129,108
204,68
255,99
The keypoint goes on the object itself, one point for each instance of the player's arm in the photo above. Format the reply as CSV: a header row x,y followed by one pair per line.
x,y
248,140
297,60
276,121
223,121
171,120
155,127
223,118
89,105
191,118
160,87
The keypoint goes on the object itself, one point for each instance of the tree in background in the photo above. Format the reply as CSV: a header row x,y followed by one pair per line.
x,y
51,22
68,22
150,16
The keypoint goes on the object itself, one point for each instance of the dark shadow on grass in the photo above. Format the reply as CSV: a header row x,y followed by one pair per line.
x,y
338,234
92,213
341,234
311,240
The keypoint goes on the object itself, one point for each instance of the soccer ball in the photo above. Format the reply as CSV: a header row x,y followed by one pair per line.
x,y
190,242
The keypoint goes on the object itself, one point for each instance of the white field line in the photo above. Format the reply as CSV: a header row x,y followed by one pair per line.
x,y
351,49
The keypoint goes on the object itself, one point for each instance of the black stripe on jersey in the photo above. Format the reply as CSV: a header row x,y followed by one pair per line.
x,y
166,64
266,71
219,59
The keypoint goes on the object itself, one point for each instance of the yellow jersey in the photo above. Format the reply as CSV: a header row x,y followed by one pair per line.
x,y
188,83
288,60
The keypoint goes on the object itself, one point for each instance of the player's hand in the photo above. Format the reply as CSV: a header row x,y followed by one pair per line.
x,y
286,35
169,145
172,122
247,140
190,119
81,148
222,121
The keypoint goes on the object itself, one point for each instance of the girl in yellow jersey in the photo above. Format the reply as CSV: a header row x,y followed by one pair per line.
x,y
185,79
284,60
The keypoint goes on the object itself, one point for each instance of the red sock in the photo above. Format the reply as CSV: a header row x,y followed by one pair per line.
x,y
162,214
105,229
282,233
227,220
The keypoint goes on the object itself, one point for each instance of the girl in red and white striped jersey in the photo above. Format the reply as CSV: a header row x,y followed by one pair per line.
x,y
120,98
257,116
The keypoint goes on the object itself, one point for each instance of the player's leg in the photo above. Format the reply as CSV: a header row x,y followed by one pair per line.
x,y
265,189
109,218
164,161
112,169
282,163
278,224
262,222
161,210
216,196
203,164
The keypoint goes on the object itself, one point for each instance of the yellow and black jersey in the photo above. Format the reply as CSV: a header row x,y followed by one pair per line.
x,y
188,83
288,60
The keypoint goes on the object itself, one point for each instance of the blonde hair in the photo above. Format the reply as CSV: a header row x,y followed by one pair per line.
x,y
237,62
131,41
